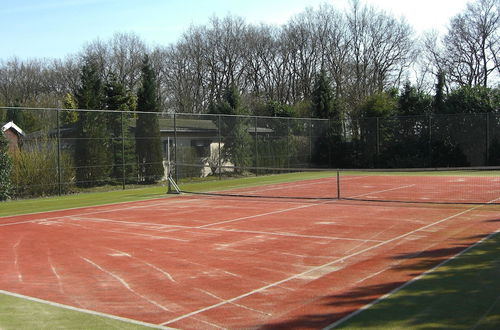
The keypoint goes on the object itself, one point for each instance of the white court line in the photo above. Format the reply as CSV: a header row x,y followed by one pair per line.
x,y
261,214
94,211
82,310
381,191
332,238
18,223
318,267
16,260
223,300
387,295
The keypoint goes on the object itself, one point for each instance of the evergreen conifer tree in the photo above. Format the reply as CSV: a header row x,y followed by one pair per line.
x,y
322,97
147,134
122,145
92,156
234,130
439,97
69,117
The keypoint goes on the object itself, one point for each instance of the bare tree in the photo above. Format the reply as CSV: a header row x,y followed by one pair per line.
x,y
468,53
380,50
121,56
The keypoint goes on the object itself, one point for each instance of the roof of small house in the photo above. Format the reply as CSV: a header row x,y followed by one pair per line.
x,y
11,125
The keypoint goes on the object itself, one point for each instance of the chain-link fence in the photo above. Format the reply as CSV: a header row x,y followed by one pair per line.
x,y
57,151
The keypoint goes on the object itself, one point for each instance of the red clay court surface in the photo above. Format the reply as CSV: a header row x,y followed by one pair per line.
x,y
206,262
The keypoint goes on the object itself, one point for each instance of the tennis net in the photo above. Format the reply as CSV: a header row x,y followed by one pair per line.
x,y
473,185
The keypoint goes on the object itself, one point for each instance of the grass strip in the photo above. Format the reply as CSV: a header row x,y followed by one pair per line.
x,y
16,207
462,294
19,313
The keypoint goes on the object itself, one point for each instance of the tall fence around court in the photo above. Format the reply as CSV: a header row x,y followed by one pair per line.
x,y
61,151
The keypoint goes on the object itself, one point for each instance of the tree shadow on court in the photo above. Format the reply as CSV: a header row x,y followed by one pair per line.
x,y
463,294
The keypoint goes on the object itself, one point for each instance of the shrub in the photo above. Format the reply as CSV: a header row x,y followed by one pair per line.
x,y
35,171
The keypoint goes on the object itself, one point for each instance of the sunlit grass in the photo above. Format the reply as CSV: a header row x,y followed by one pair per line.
x,y
18,313
463,294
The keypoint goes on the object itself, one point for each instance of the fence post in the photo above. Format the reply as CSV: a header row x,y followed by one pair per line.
x,y
175,149
59,179
310,143
338,183
288,142
430,141
328,138
219,156
487,138
378,140
123,151
256,147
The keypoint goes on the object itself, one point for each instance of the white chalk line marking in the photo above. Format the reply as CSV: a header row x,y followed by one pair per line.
x,y
117,205
17,223
125,254
16,260
233,303
333,238
261,215
396,290
209,323
205,227
131,233
318,267
381,191
82,310
126,285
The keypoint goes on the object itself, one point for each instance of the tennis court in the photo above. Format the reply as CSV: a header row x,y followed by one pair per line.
x,y
208,261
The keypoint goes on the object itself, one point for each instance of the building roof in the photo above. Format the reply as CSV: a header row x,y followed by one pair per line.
x,y
11,125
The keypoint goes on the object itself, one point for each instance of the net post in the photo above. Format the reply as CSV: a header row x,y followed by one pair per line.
x,y
172,187
169,186
338,183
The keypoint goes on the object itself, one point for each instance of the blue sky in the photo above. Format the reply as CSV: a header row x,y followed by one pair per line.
x,y
56,28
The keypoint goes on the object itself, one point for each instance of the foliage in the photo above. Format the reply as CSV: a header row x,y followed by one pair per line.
x,y
276,109
439,96
147,134
92,156
25,119
117,98
5,169
494,153
412,102
69,117
477,99
322,97
36,173
234,129
381,104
